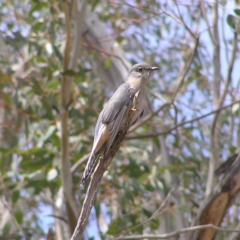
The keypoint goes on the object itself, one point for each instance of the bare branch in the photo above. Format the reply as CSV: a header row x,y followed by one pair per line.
x,y
102,166
202,2
181,124
235,234
214,208
156,213
66,87
177,233
7,208
217,78
183,22
181,78
76,165
214,128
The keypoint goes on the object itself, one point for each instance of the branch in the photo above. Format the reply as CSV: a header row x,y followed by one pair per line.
x,y
183,22
93,187
150,135
76,165
66,87
206,20
217,78
182,77
65,96
214,135
7,208
214,208
156,213
177,233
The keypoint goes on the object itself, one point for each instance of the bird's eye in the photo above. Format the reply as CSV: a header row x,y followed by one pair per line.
x,y
140,69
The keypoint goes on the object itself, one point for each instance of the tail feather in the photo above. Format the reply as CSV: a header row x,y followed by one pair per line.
x,y
89,168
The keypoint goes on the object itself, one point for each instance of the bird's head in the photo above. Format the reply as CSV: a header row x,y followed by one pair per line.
x,y
141,71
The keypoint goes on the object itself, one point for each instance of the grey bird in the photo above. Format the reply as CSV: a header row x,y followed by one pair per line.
x,y
130,96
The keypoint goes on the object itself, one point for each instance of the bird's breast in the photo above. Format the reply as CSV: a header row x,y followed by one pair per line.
x,y
135,108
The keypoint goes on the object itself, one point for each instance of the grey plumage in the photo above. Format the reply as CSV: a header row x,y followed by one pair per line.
x,y
112,118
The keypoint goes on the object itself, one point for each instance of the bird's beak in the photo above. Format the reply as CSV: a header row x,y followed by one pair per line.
x,y
153,69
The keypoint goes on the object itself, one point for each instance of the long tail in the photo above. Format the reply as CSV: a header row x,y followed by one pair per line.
x,y
89,167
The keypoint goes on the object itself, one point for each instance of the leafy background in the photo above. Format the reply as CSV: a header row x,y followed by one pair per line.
x,y
195,45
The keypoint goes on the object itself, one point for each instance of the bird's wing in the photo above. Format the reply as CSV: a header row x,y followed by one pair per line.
x,y
115,110
122,97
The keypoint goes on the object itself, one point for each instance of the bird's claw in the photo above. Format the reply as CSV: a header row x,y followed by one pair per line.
x,y
133,109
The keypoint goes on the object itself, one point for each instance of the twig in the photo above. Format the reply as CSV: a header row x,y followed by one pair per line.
x,y
235,234
214,128
182,77
219,201
206,20
177,233
156,213
183,22
76,165
105,52
181,124
13,217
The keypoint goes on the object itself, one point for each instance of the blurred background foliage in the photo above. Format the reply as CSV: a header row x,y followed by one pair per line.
x,y
148,165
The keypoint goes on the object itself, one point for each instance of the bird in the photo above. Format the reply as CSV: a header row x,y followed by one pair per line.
x,y
130,96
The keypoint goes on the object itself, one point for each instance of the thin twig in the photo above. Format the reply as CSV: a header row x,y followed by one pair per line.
x,y
182,77
76,165
13,217
205,18
177,233
183,22
156,213
181,124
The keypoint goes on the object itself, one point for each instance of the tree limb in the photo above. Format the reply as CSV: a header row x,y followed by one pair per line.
x,y
93,187
177,233
217,78
214,208
66,87
150,135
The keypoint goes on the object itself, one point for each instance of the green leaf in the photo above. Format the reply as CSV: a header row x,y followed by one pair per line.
x,y
231,20
237,11
115,227
156,141
19,216
107,63
147,213
154,224
39,7
15,196
6,228
71,73
37,27
58,53
143,177
94,4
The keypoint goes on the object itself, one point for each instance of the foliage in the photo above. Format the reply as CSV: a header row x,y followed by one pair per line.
x,y
163,33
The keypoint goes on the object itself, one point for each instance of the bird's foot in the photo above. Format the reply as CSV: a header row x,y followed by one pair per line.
x,y
133,109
